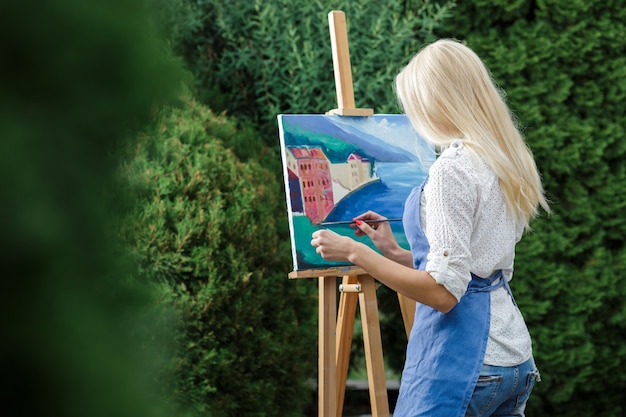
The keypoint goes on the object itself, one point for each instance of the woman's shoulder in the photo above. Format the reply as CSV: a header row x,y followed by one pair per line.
x,y
455,157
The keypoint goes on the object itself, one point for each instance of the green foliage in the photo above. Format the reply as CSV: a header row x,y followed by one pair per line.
x,y
563,66
257,59
78,78
205,229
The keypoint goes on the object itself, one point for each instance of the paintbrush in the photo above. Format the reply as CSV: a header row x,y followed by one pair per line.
x,y
396,219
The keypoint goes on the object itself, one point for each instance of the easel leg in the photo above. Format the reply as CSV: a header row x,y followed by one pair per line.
x,y
345,330
327,367
407,307
373,348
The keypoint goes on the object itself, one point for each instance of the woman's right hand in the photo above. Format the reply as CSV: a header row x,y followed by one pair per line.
x,y
380,233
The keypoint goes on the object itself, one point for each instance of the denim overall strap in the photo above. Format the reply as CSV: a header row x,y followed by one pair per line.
x,y
445,352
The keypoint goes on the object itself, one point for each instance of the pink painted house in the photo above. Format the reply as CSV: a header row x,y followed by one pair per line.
x,y
314,195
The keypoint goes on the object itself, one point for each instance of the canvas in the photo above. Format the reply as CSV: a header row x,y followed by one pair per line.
x,y
337,167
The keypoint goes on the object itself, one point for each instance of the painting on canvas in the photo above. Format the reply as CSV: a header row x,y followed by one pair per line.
x,y
337,167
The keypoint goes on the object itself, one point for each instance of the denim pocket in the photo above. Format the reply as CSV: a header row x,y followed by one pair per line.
x,y
485,392
522,398
532,378
488,379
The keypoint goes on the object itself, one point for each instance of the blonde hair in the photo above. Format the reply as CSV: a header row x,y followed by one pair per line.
x,y
448,93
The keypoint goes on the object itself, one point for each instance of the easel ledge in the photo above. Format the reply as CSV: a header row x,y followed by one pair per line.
x,y
338,271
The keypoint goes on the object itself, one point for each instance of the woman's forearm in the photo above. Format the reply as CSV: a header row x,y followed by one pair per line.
x,y
401,256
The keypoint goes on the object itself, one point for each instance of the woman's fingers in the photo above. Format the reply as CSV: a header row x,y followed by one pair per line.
x,y
369,215
330,245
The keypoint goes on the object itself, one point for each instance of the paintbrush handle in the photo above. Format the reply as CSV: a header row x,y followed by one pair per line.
x,y
395,219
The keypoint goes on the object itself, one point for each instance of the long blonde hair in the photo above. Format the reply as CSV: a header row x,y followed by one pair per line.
x,y
448,93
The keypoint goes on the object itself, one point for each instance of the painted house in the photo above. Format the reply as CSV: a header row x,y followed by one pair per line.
x,y
310,182
360,170
355,172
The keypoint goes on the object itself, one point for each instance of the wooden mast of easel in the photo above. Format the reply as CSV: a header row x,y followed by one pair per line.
x,y
342,67
355,288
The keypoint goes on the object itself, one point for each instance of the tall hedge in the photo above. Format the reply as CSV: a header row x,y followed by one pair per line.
x,y
205,231
563,65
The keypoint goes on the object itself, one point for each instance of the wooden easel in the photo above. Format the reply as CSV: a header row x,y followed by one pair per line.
x,y
336,326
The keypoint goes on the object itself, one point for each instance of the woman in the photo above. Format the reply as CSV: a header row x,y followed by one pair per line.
x,y
469,352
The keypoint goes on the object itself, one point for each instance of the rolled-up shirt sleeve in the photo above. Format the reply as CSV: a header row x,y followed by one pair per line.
x,y
451,200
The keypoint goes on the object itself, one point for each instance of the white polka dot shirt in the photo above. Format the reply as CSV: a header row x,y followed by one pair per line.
x,y
464,216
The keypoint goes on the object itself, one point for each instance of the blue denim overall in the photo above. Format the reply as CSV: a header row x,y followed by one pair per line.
x,y
445,352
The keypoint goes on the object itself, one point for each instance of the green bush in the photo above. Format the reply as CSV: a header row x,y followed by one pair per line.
x,y
205,230
563,65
